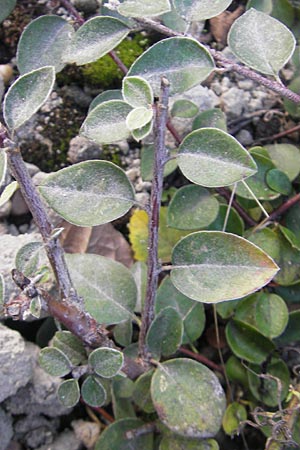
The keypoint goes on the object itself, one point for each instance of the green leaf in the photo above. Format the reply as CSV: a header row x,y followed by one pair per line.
x,y
43,42
92,391
3,166
139,117
173,20
165,333
123,333
113,94
141,393
68,393
139,272
106,362
6,8
192,207
273,389
292,331
140,133
214,118
286,157
27,95
261,42
192,313
214,266
188,398
147,163
236,371
89,193
94,39
212,158
279,181
272,315
54,362
184,108
114,437
183,61
107,287
8,192
137,92
195,10
29,258
173,442
291,107
247,343
71,346
234,225
146,8
235,414
106,123
265,6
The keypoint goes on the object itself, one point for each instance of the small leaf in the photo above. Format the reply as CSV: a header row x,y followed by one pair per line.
x,y
3,166
183,61
212,158
139,272
29,257
188,398
43,42
106,362
114,436
279,181
8,192
94,39
113,94
261,5
146,8
192,313
71,346
234,225
184,108
292,331
27,95
234,415
261,42
92,391
247,343
147,163
123,333
141,394
165,333
192,207
54,362
174,442
290,237
236,371
140,133
195,10
68,393
106,123
213,118
99,190
286,157
272,315
214,266
107,287
137,92
6,8
138,117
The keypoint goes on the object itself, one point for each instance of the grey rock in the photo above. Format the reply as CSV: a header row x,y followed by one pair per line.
x,y
32,169
245,137
18,204
6,429
77,95
17,360
87,6
67,440
35,431
81,149
235,102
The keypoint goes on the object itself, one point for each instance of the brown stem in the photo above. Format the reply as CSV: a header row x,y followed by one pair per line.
x,y
155,201
201,359
284,207
279,135
227,195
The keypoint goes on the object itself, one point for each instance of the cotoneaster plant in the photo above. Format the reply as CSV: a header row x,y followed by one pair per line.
x,y
159,398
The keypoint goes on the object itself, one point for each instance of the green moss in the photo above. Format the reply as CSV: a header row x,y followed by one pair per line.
x,y
105,73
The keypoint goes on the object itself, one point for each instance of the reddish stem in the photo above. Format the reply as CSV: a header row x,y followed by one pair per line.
x,y
202,359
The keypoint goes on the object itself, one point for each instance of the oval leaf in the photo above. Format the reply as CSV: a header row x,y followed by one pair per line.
x,y
114,437
146,8
272,315
107,287
68,393
43,42
92,391
139,117
140,133
54,362
27,95
29,258
188,398
234,415
106,362
214,118
137,92
184,108
6,8
89,193
94,39
194,10
111,94
279,181
192,207
141,393
212,158
106,123
286,158
214,266
183,61
247,343
8,192
70,345
261,42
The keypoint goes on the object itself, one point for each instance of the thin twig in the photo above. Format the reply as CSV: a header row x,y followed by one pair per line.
x,y
227,195
155,202
202,359
279,135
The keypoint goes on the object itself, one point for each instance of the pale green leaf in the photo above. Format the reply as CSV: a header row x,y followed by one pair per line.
x,y
188,398
111,94
145,8
106,362
265,6
3,166
174,442
27,95
94,39
212,266
184,108
89,193
70,345
286,158
183,61
214,118
141,394
106,123
92,391
114,436
235,414
8,192
212,158
195,10
137,92
261,42
54,362
140,133
68,393
272,315
147,163
139,272
43,42
29,258
6,8
139,117
107,287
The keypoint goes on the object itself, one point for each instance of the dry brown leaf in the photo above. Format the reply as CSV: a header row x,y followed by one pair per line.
x,y
221,24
